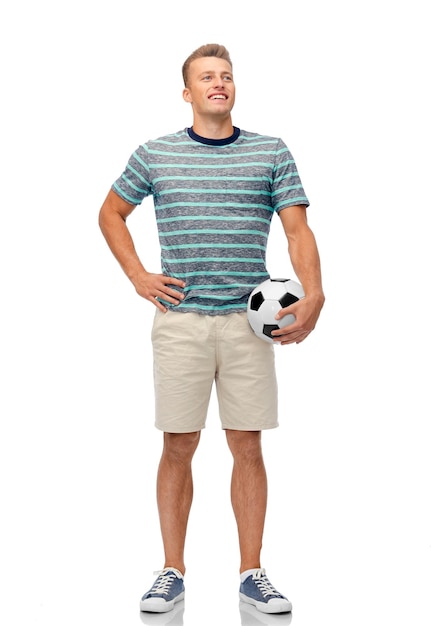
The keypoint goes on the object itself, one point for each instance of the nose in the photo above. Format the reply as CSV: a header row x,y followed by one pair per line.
x,y
219,82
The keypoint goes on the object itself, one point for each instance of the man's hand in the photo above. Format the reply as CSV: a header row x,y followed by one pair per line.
x,y
155,286
306,311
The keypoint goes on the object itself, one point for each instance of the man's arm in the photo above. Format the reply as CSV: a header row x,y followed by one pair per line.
x,y
305,260
112,221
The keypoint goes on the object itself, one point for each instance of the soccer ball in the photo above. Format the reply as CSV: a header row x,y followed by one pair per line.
x,y
266,300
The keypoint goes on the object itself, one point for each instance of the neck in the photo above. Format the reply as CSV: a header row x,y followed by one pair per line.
x,y
213,129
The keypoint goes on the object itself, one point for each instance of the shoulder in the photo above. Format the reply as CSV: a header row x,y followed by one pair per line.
x,y
252,135
165,143
253,139
173,139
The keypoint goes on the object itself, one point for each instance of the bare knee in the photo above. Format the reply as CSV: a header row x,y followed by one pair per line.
x,y
180,447
245,445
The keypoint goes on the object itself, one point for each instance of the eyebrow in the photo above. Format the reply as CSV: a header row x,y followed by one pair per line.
x,y
213,72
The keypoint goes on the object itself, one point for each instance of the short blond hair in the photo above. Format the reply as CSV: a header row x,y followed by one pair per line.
x,y
207,50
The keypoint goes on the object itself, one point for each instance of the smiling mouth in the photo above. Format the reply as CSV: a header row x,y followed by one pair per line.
x,y
218,96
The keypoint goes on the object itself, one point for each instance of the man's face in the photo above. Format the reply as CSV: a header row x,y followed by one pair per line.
x,y
210,89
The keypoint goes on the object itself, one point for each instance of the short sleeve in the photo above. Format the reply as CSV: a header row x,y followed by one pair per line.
x,y
134,183
287,189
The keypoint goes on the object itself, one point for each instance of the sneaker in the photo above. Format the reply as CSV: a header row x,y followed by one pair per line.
x,y
170,618
250,616
168,588
257,590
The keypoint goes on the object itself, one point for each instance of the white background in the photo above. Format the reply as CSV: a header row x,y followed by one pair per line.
x,y
348,528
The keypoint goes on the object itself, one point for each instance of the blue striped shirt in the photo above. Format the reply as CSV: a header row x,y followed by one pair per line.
x,y
214,201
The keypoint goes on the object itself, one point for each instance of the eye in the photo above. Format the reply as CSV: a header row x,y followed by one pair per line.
x,y
227,77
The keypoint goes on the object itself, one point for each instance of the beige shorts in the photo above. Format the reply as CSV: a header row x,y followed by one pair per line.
x,y
192,351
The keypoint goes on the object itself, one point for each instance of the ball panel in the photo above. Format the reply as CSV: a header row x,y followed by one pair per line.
x,y
268,309
295,289
256,300
272,290
268,328
255,321
287,299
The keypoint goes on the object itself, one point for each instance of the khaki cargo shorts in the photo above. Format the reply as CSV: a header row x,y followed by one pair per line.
x,y
192,351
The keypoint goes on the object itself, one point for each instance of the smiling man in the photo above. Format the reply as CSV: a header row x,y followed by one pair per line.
x,y
210,89
215,189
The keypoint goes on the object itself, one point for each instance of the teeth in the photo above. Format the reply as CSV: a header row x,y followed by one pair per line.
x,y
219,97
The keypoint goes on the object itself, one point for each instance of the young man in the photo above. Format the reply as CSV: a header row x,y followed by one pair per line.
x,y
215,189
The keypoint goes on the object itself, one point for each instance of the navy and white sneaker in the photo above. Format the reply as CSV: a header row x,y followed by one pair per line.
x,y
175,617
256,589
250,616
168,588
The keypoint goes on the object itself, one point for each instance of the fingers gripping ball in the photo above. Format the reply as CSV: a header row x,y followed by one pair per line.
x,y
266,300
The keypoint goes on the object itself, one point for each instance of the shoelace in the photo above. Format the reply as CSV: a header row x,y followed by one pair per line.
x,y
263,584
164,580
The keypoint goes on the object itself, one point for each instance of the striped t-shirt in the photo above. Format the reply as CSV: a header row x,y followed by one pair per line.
x,y
214,201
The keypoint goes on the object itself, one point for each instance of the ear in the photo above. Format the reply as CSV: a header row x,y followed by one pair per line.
x,y
187,96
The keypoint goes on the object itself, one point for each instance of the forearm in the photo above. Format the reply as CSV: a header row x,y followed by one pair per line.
x,y
118,237
305,261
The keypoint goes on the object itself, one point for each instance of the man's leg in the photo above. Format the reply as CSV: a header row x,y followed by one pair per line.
x,y
248,493
175,493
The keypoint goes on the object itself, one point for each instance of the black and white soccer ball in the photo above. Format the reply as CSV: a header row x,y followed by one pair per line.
x,y
266,300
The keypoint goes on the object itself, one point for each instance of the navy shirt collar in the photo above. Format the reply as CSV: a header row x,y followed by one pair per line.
x,y
214,142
